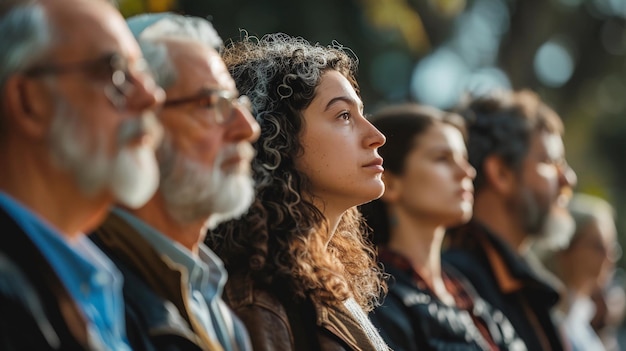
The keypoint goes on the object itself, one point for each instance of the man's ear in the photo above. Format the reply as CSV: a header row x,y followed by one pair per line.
x,y
498,175
393,187
27,106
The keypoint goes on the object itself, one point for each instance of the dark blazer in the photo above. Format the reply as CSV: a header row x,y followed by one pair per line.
x,y
411,318
506,281
36,310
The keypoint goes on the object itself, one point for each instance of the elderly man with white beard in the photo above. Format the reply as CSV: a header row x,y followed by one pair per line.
x,y
173,281
77,133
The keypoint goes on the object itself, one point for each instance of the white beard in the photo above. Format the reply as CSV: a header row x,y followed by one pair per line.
x,y
193,191
135,176
131,175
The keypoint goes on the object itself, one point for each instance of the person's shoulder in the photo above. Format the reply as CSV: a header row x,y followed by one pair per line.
x,y
16,286
462,258
467,266
241,291
28,321
261,311
468,237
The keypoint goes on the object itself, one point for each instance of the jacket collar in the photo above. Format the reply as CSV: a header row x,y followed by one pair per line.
x,y
511,270
125,245
153,279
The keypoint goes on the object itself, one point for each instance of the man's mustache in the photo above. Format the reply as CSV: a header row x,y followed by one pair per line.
x,y
144,126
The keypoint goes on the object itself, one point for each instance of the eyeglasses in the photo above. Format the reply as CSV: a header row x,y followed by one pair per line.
x,y
113,69
224,102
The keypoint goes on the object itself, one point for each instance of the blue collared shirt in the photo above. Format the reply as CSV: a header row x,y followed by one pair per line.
x,y
206,277
89,276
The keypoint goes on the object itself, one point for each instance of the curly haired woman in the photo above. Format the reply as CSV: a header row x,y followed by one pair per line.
x,y
301,274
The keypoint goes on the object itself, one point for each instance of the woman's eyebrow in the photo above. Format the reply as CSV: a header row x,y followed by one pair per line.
x,y
345,99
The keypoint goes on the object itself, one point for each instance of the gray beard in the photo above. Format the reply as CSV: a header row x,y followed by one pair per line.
x,y
194,192
557,231
131,174
533,217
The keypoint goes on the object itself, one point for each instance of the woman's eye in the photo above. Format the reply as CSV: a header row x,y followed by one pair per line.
x,y
345,116
445,158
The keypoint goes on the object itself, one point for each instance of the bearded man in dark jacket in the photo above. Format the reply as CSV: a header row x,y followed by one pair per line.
x,y
515,144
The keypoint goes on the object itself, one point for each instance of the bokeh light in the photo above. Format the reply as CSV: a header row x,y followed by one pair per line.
x,y
390,73
554,63
436,79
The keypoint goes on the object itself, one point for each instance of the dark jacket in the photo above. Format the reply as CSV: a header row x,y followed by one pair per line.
x,y
412,318
277,322
506,281
158,316
36,310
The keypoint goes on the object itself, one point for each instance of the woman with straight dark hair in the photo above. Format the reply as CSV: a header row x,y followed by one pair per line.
x,y
428,188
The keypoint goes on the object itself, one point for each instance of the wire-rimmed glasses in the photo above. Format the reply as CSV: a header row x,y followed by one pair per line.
x,y
112,68
223,101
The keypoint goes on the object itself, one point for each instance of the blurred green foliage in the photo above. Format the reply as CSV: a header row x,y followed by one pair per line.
x,y
391,37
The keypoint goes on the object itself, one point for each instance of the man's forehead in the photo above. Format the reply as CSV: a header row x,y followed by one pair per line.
x,y
79,11
89,25
549,143
196,61
554,145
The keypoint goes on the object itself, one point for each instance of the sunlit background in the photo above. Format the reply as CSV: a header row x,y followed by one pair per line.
x,y
572,52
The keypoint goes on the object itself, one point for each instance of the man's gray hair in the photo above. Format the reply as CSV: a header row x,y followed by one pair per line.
x,y
25,36
160,26
152,29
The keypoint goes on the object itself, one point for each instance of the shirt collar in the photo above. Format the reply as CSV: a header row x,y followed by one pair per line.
x,y
206,272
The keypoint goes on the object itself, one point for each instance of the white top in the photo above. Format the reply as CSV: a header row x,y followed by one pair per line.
x,y
371,332
577,326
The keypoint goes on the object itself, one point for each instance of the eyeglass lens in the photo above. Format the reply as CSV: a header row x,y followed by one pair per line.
x,y
122,80
226,107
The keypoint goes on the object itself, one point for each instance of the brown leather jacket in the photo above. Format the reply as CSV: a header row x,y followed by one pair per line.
x,y
275,323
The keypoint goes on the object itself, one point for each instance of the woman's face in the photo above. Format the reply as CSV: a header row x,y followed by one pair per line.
x,y
437,181
340,157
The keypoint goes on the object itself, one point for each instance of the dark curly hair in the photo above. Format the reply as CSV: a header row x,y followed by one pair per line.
x,y
283,239
502,123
